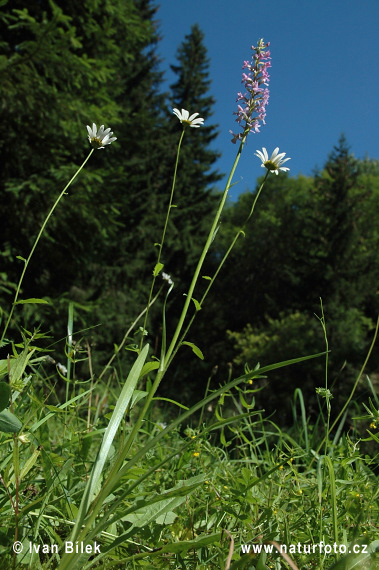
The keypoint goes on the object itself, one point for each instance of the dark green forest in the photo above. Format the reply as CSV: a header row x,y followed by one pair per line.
x,y
308,257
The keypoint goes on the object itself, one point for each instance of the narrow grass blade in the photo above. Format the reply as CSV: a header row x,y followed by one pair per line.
x,y
35,426
299,395
117,416
333,495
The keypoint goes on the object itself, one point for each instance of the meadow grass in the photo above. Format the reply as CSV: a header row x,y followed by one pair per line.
x,y
218,476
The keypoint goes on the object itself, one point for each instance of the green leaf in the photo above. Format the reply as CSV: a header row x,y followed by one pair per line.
x,y
196,302
199,542
148,367
157,269
195,349
117,416
137,396
158,509
19,364
161,399
154,513
167,518
4,367
5,393
207,277
9,423
157,505
54,409
32,301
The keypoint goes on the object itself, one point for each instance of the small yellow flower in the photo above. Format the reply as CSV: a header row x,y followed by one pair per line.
x,y
280,467
251,382
196,454
373,425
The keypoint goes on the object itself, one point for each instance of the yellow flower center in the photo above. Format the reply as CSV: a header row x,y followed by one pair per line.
x,y
270,165
96,142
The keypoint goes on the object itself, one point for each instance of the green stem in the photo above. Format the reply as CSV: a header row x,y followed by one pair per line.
x,y
27,261
327,395
163,235
240,231
126,336
357,379
208,243
339,416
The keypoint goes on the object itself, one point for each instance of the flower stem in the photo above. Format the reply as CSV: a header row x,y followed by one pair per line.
x,y
240,231
156,269
208,243
27,261
165,359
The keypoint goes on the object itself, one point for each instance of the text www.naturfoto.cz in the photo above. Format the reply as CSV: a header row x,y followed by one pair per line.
x,y
304,548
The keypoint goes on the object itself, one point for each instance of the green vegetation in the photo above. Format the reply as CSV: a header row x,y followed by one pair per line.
x,y
185,493
183,422
308,254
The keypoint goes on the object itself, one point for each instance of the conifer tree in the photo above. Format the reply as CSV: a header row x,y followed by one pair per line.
x,y
332,218
195,191
191,92
63,66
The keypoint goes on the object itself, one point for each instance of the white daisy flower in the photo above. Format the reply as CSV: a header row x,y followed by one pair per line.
x,y
100,138
185,118
274,163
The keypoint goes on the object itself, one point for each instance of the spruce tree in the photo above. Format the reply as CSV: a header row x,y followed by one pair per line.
x,y
63,66
332,217
191,92
195,194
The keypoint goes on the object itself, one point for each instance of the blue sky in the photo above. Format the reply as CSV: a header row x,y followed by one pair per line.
x,y
324,74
